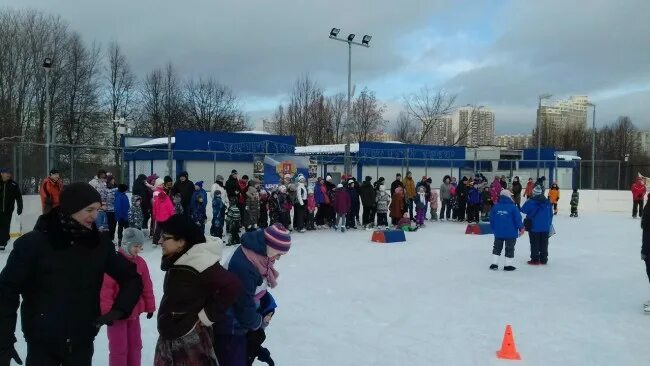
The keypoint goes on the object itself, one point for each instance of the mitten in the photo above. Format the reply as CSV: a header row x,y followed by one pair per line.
x,y
109,318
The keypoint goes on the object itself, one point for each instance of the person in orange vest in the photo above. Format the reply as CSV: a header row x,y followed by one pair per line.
x,y
50,191
638,193
554,196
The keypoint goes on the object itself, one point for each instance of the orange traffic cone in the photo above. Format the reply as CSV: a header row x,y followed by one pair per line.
x,y
508,349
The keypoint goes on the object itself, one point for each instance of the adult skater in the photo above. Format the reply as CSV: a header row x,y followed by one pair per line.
x,y
9,194
445,197
638,193
645,248
185,187
505,220
50,191
539,214
58,270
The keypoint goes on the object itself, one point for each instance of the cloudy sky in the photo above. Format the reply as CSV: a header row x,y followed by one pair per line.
x,y
497,53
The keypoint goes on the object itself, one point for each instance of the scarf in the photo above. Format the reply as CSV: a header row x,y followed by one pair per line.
x,y
264,266
74,230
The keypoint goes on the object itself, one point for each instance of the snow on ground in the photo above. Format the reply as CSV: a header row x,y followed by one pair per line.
x,y
432,300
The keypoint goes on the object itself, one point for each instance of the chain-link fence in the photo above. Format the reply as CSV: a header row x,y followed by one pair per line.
x,y
81,163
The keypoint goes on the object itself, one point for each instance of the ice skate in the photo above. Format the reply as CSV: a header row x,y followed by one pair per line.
x,y
494,267
509,267
646,310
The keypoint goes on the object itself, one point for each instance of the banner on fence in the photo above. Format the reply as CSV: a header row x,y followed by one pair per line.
x,y
277,166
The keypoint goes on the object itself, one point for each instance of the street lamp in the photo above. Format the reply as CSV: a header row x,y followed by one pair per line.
x,y
350,41
539,128
593,146
47,65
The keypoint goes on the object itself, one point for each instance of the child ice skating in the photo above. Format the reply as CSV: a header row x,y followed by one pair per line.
x,y
575,198
397,206
539,214
406,224
638,193
383,201
233,220
124,336
198,205
433,204
218,214
136,216
342,206
505,221
252,205
420,206
121,211
263,221
554,196
311,210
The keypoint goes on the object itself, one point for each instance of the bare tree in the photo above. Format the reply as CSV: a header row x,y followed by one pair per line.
x,y
153,122
212,106
337,105
405,130
366,120
121,87
427,107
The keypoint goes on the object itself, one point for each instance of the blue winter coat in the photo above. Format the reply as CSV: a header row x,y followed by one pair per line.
x,y
318,194
355,201
540,210
198,210
122,206
243,316
217,208
474,197
505,219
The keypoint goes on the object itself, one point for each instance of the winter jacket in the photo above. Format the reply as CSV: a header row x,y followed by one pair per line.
x,y
243,188
486,197
196,289
232,187
110,289
217,210
253,203
445,191
355,201
186,190
473,196
383,200
496,189
434,200
505,219
50,193
575,198
243,316
504,184
220,188
198,206
409,187
342,201
59,277
320,194
397,205
368,194
540,211
638,190
163,207
98,184
529,189
233,215
284,202
140,189
645,226
394,185
301,194
421,201
330,188
108,198
516,188
10,194
461,190
554,194
274,208
121,206
136,218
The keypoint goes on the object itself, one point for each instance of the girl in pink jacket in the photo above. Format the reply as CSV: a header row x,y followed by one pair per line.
x,y
124,338
163,209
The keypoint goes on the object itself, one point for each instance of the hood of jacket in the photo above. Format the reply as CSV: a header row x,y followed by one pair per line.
x,y
203,255
254,241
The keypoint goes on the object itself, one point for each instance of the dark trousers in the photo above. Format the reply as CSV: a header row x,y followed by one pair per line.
x,y
234,233
647,268
368,215
445,209
382,219
637,204
298,217
349,220
263,221
394,221
472,213
39,354
555,207
121,225
320,215
146,215
574,209
157,232
462,207
285,219
5,225
112,223
538,247
409,203
230,349
510,247
310,221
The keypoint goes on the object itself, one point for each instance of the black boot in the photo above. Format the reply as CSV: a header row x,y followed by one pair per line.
x,y
494,267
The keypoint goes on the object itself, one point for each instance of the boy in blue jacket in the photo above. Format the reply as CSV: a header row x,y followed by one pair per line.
x,y
539,211
122,206
505,220
473,203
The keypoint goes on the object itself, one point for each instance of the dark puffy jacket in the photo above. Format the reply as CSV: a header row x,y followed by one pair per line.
x,y
243,316
368,194
540,210
396,183
140,189
318,194
196,288
59,278
232,187
10,193
474,196
186,190
354,198
516,188
645,226
505,219
342,202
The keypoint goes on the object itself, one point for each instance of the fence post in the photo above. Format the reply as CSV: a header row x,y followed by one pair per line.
x,y
618,184
214,167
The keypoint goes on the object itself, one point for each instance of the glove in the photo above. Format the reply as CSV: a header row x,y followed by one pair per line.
x,y
643,256
9,354
108,318
149,315
19,211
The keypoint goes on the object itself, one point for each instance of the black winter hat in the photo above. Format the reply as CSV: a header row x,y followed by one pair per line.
x,y
182,227
77,196
168,179
184,174
368,178
122,188
244,177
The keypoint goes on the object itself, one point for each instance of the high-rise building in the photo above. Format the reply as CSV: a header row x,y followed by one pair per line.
x,y
644,140
440,132
514,141
473,126
564,114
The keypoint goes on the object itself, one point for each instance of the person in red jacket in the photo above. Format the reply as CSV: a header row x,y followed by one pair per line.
x,y
342,206
51,191
638,192
124,336
529,188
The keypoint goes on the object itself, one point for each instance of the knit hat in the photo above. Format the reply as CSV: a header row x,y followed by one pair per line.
x,y
219,178
77,196
5,170
301,178
168,179
506,193
54,171
277,238
244,177
122,188
131,238
537,191
282,189
339,185
199,184
181,226
159,182
368,178
184,174
329,178
234,171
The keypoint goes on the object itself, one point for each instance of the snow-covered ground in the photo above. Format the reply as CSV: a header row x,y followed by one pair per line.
x,y
432,300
